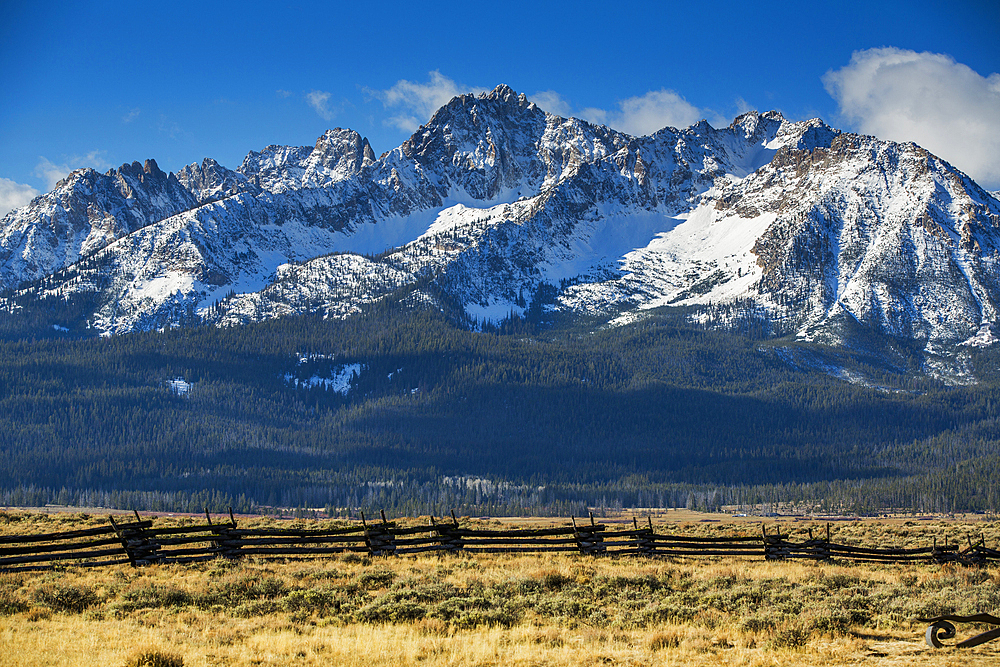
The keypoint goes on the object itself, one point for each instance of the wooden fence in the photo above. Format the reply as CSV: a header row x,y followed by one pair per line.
x,y
138,542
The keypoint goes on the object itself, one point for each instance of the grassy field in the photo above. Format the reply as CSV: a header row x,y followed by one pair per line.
x,y
498,610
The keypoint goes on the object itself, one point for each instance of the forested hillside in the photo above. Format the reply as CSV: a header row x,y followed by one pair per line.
x,y
401,409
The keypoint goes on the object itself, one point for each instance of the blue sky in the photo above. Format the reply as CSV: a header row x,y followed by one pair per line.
x,y
101,83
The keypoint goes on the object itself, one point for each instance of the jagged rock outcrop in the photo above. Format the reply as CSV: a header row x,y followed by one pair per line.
x,y
86,211
210,181
338,155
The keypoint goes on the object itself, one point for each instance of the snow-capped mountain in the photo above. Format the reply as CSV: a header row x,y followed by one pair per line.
x,y
494,201
86,211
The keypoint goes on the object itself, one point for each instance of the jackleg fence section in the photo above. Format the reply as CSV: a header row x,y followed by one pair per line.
x,y
237,542
777,547
90,547
139,542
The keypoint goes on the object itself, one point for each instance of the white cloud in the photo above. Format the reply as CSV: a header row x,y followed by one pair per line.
x,y
318,100
594,115
654,111
14,195
418,101
131,115
52,173
928,98
638,116
551,101
283,93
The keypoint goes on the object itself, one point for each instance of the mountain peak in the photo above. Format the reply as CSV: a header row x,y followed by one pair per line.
x,y
150,167
141,170
753,122
503,93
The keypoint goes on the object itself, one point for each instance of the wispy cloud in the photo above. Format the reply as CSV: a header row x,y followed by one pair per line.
x,y
131,115
170,127
640,115
928,98
52,173
283,93
553,102
654,111
418,101
319,100
14,195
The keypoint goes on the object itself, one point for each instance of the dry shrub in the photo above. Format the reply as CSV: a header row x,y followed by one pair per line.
x,y
830,621
376,580
39,614
432,627
554,580
595,636
224,636
789,635
150,595
11,604
759,622
699,644
663,640
549,637
355,559
154,658
68,598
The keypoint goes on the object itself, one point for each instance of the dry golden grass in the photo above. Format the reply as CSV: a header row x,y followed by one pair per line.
x,y
494,610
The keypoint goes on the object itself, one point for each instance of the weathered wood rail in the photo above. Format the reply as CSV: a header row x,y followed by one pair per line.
x,y
138,542
90,547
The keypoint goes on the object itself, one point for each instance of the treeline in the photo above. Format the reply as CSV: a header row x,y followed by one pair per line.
x,y
550,420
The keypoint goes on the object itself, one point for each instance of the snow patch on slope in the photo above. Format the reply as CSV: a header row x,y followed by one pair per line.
x,y
339,381
702,257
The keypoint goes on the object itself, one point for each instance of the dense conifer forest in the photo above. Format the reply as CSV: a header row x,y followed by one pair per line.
x,y
528,417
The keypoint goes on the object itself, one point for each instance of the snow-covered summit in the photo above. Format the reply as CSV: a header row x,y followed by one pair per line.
x,y
86,211
337,155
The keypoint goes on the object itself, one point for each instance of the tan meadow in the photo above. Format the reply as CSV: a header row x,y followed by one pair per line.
x,y
495,610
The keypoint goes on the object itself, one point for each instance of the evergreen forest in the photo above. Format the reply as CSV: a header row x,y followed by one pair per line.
x,y
416,411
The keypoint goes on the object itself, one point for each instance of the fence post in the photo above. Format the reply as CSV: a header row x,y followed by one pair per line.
x,y
447,538
944,554
139,548
368,541
587,539
214,544
643,544
773,547
118,532
823,548
380,540
973,555
229,539
456,539
652,542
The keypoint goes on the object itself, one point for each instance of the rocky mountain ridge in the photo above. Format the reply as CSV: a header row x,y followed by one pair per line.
x,y
501,206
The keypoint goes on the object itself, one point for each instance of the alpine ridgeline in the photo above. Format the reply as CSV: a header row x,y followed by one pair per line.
x,y
501,208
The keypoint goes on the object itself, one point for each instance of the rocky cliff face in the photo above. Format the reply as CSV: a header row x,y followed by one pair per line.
x,y
86,211
883,233
210,181
493,199
338,155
